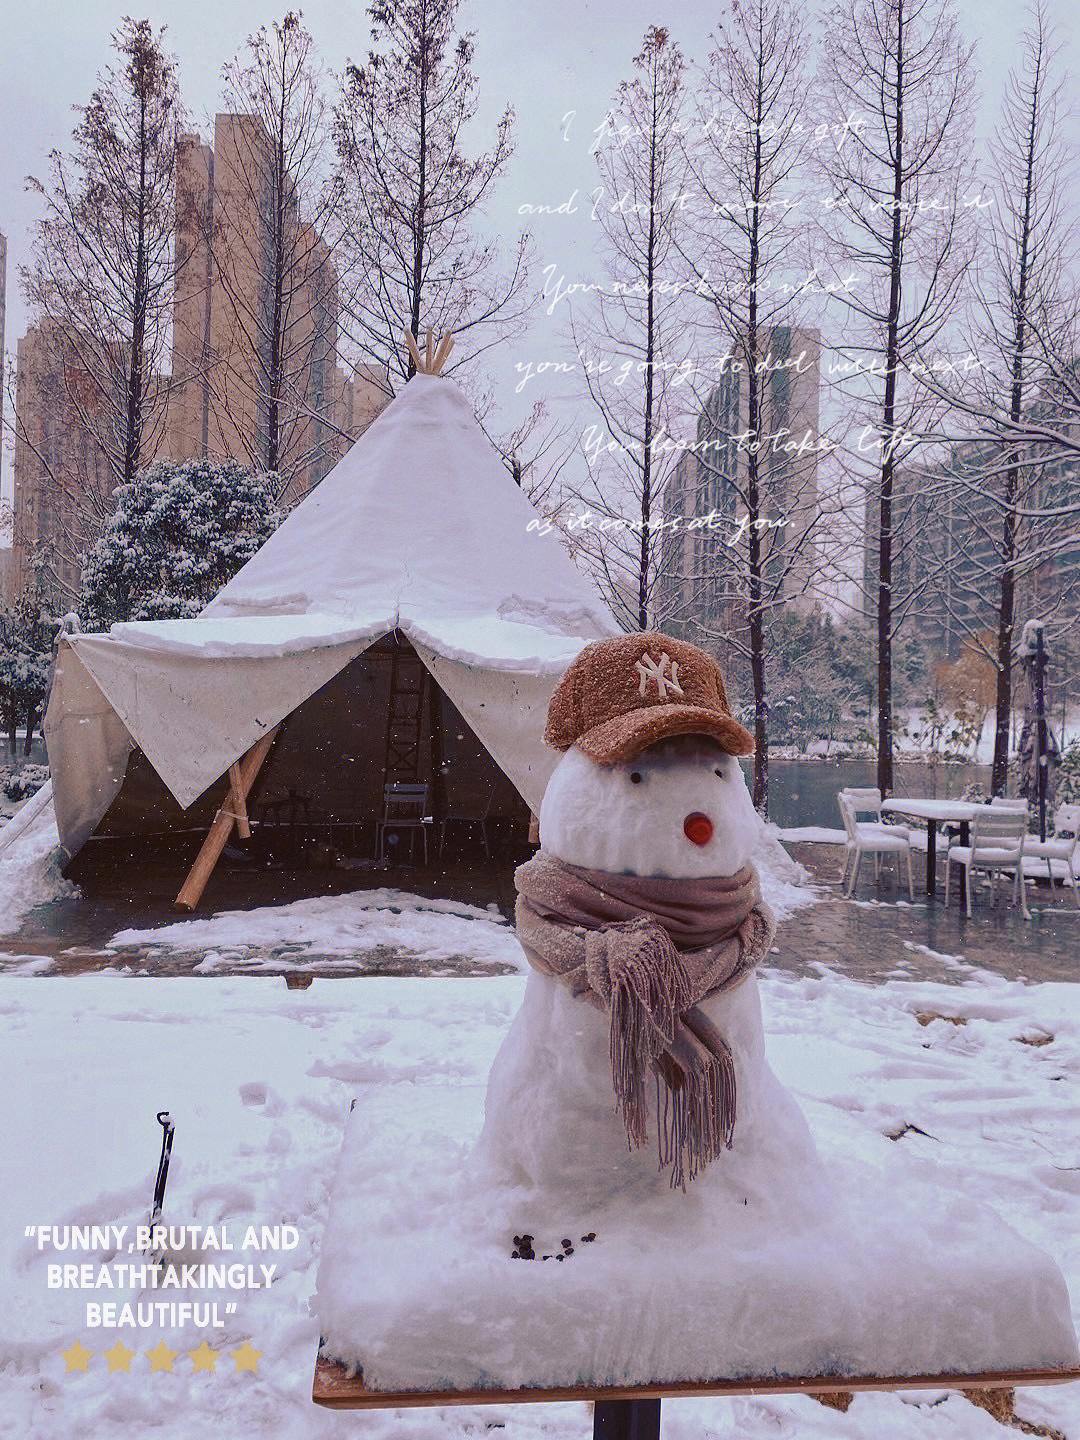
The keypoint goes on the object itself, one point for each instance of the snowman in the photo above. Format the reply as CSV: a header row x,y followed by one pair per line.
x,y
633,1127
636,1063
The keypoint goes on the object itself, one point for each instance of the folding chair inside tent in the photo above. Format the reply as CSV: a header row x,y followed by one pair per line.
x,y
405,807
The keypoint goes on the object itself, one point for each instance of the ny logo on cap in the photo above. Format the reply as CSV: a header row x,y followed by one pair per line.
x,y
650,669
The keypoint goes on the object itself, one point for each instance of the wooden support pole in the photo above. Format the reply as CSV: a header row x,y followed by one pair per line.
x,y
217,838
433,357
442,354
417,359
238,800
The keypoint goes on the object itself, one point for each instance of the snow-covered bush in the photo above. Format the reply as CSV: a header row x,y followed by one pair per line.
x,y
21,784
26,631
180,530
1068,775
937,732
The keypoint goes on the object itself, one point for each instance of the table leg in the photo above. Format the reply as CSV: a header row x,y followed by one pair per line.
x,y
626,1420
931,856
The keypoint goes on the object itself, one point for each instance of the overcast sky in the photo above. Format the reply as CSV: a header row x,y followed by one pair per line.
x,y
544,58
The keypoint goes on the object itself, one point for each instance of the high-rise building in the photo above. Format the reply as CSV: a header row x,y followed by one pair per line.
x,y
7,557
3,327
947,537
218,401
702,583
63,478
243,315
7,574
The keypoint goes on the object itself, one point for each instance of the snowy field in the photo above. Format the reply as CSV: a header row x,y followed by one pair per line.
x,y
971,1085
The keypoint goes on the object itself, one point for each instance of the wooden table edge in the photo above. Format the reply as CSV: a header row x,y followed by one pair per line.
x,y
337,1389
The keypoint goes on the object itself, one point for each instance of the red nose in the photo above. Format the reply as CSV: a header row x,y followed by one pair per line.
x,y
698,828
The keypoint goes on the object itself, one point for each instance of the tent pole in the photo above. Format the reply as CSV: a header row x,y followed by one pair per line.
x,y
233,809
238,799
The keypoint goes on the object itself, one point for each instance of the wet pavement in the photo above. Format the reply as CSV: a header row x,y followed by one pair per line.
x,y
878,935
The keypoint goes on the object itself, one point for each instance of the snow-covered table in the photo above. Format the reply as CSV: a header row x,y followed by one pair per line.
x,y
420,1307
934,812
339,1389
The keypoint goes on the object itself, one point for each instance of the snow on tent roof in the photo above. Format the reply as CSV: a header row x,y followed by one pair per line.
x,y
419,520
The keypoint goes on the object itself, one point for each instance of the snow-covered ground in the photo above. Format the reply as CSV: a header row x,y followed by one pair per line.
x,y
971,1085
29,862
441,935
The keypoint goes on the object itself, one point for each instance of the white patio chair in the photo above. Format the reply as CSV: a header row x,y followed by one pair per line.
x,y
997,843
997,802
866,801
870,839
1061,848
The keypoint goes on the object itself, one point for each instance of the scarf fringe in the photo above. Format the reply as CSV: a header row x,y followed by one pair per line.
x,y
696,1120
649,991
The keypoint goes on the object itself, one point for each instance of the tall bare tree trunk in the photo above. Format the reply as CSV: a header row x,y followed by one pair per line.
x,y
753,490
650,357
408,196
906,67
885,495
999,774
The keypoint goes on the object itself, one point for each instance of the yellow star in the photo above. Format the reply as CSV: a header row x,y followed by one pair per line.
x,y
204,1358
119,1357
77,1358
161,1357
246,1357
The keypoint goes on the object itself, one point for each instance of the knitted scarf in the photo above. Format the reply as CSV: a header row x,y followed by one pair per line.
x,y
649,950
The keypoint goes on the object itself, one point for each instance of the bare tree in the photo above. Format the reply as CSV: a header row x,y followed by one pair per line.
x,y
901,72
631,377
410,196
1025,340
274,268
535,453
744,247
103,267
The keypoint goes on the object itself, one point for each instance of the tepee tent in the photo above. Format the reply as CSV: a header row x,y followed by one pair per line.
x,y
417,532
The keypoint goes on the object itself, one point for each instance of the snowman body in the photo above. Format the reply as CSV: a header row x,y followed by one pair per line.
x,y
679,810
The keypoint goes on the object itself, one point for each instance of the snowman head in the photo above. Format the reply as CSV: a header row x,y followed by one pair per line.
x,y
679,809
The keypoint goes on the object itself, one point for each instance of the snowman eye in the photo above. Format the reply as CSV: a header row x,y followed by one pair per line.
x,y
635,777
719,771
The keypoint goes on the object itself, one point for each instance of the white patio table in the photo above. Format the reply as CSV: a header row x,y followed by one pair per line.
x,y
935,812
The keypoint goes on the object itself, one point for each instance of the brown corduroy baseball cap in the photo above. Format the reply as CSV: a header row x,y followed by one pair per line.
x,y
624,694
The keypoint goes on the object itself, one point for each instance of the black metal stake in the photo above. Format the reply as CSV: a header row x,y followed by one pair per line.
x,y
626,1420
167,1130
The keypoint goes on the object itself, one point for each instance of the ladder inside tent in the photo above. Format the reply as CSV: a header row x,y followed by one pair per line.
x,y
413,707
405,715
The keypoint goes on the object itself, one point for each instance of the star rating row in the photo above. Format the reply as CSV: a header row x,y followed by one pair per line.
x,y
161,1357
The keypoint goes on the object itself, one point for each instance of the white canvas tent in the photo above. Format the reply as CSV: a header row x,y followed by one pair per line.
x,y
418,528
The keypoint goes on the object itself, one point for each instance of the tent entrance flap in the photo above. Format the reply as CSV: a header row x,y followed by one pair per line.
x,y
386,717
